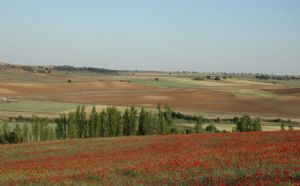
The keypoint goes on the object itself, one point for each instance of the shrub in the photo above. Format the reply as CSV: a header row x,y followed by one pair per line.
x,y
174,130
211,128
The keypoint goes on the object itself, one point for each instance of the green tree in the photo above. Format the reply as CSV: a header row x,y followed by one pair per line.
x,y
126,123
150,123
211,128
52,134
19,134
12,137
72,126
163,127
114,121
61,127
103,124
5,130
45,129
290,125
93,120
243,124
98,125
35,128
256,124
198,125
168,116
142,120
282,127
25,131
81,121
132,120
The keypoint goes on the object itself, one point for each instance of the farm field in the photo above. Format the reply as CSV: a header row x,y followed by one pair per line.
x,y
257,158
49,95
181,93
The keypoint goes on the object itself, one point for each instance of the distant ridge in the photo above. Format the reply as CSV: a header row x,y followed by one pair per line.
x,y
48,69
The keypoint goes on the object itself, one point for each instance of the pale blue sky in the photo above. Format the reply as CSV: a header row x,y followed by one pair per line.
x,y
228,36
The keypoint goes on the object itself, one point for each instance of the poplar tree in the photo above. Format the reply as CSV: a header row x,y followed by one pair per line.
x,y
97,130
198,125
19,135
25,131
103,124
61,127
132,121
126,123
92,123
35,128
72,126
162,124
168,116
80,116
142,120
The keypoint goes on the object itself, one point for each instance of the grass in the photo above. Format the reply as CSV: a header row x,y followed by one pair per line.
x,y
251,93
257,158
166,83
37,106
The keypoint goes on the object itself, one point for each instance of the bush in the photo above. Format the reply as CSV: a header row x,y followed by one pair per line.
x,y
12,137
199,78
211,128
291,127
174,130
282,126
188,131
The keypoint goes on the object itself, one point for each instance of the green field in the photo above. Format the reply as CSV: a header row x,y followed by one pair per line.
x,y
166,83
228,126
250,93
37,106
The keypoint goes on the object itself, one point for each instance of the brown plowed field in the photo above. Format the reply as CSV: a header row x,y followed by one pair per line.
x,y
127,94
285,91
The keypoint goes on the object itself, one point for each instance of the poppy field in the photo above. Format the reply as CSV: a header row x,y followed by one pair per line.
x,y
250,158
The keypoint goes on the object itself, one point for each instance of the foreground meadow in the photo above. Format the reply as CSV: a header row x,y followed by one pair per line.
x,y
257,158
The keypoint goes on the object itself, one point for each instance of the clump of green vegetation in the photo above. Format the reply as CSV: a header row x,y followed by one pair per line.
x,y
211,129
245,124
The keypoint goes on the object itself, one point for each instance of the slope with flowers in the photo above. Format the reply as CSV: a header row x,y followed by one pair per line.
x,y
267,158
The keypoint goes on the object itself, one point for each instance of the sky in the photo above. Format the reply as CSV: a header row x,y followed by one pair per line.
x,y
254,36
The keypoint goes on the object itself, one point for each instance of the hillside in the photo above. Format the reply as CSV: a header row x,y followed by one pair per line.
x,y
260,158
39,73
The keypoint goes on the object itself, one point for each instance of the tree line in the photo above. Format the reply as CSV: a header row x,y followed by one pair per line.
x,y
38,130
88,69
111,122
